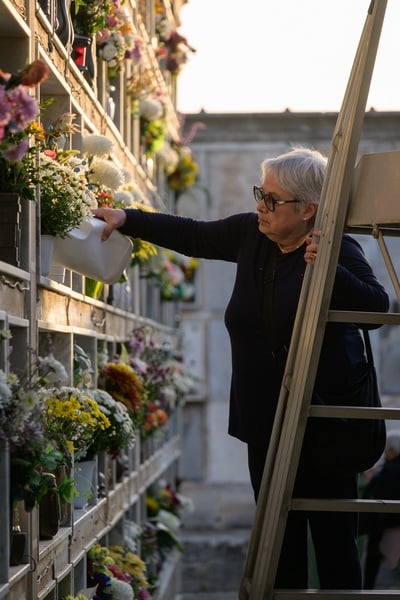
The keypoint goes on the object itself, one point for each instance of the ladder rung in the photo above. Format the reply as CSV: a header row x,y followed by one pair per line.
x,y
342,316
355,412
334,594
343,505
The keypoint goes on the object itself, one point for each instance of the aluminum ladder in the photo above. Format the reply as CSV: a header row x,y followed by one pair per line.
x,y
336,214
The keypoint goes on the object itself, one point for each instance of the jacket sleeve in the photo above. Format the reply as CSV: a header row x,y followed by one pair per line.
x,y
218,239
356,287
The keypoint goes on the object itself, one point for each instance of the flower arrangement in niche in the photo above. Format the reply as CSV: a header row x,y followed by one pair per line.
x,y
173,49
164,379
117,573
125,385
141,85
175,274
186,171
105,179
18,111
153,123
120,435
73,417
116,40
65,199
32,452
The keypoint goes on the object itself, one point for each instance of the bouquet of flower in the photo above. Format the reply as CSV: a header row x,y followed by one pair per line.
x,y
163,375
73,417
32,452
117,572
126,386
121,433
104,177
65,199
18,111
116,39
186,171
175,274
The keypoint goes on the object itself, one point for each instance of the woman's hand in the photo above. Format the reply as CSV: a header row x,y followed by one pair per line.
x,y
114,218
312,242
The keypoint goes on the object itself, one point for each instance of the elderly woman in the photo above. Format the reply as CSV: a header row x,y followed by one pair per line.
x,y
271,248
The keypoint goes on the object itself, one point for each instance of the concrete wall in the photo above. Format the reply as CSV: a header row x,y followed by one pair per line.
x,y
229,151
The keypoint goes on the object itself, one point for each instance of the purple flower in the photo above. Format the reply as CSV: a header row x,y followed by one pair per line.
x,y
24,108
5,108
15,153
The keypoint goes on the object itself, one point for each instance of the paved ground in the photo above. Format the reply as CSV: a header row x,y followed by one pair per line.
x,y
215,537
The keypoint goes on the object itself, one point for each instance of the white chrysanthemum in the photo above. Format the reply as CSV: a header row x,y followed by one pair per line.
x,y
120,590
123,198
151,109
96,145
51,368
109,52
104,172
30,400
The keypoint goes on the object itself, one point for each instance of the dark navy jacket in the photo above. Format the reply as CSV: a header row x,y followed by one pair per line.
x,y
256,378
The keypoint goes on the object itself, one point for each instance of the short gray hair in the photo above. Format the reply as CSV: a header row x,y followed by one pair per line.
x,y
300,172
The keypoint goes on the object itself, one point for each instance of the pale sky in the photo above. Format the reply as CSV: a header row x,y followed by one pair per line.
x,y
269,55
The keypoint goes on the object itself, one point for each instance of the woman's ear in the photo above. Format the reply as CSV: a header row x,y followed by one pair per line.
x,y
309,211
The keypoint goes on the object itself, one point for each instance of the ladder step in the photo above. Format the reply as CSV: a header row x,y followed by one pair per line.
x,y
334,594
353,412
339,505
342,316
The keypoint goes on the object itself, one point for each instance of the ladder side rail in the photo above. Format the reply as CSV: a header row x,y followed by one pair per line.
x,y
388,261
336,188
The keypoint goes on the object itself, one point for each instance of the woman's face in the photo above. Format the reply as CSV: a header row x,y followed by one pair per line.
x,y
287,221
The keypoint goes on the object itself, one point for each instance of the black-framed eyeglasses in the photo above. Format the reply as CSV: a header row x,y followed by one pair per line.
x,y
268,198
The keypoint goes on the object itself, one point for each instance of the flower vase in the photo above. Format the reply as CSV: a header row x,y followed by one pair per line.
x,y
18,539
46,253
10,229
82,55
49,510
84,475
